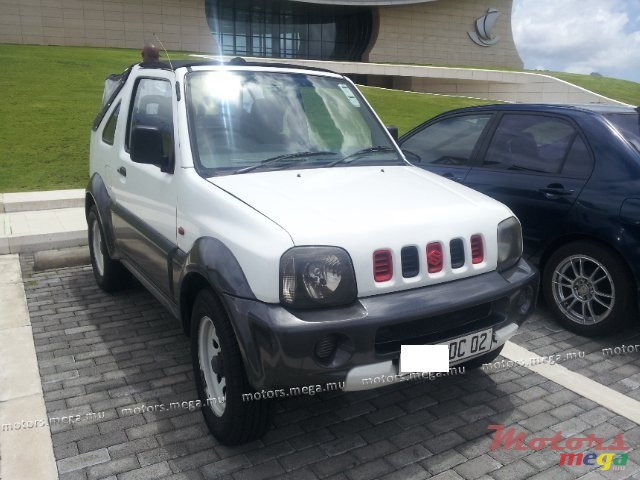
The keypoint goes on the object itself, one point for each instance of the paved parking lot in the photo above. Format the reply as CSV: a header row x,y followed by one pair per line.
x,y
104,357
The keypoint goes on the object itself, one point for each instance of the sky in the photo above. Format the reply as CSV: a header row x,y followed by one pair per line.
x,y
579,36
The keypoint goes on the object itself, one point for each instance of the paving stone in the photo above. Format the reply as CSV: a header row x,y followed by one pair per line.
x,y
519,470
408,455
477,467
330,466
83,460
309,456
145,473
410,437
369,470
227,465
65,451
596,416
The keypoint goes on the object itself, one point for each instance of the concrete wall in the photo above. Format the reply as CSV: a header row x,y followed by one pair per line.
x,y
181,24
435,33
520,87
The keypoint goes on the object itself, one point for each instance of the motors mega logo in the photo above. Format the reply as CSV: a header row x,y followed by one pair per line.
x,y
508,439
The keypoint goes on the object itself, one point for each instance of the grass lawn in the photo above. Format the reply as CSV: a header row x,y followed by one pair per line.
x,y
621,90
52,95
406,110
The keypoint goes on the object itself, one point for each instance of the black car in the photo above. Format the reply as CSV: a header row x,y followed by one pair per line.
x,y
571,173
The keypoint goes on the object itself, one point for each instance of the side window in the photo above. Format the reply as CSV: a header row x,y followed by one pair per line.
x,y
109,132
152,108
579,162
448,142
534,143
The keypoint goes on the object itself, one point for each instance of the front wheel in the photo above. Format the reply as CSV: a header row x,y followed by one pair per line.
x,y
231,411
588,288
110,274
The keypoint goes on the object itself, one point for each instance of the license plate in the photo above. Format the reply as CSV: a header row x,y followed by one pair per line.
x,y
469,345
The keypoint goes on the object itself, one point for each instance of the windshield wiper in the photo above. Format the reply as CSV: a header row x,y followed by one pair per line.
x,y
285,156
379,148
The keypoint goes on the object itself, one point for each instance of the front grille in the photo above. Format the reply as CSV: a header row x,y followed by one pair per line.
x,y
456,248
433,330
410,262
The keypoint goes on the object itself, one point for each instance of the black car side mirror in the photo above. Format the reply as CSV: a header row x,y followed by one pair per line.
x,y
146,147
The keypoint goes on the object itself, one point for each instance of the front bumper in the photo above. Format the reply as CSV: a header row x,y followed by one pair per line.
x,y
289,348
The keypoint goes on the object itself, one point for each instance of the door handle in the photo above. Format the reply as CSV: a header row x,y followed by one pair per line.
x,y
555,189
451,176
122,171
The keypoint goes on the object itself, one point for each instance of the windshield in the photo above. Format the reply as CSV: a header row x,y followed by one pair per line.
x,y
628,124
242,121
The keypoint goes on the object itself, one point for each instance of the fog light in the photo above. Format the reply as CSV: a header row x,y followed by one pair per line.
x,y
525,300
326,347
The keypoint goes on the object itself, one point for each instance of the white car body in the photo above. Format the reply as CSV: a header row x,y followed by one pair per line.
x,y
258,216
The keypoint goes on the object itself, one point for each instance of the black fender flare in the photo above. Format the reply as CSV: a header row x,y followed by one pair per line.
x,y
213,260
97,194
210,263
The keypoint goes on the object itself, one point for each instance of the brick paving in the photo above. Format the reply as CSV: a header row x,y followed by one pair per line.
x,y
104,353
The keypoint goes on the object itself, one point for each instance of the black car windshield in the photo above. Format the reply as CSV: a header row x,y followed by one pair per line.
x,y
242,121
628,124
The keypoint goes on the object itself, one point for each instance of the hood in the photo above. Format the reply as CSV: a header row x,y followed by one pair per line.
x,y
362,209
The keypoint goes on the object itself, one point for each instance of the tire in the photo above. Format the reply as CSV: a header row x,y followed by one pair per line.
x,y
213,343
481,360
588,288
110,274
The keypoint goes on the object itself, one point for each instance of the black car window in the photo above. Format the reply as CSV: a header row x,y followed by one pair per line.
x,y
579,162
448,142
151,107
109,132
535,143
629,126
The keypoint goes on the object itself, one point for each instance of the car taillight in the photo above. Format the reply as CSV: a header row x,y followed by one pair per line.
x,y
434,257
477,249
382,265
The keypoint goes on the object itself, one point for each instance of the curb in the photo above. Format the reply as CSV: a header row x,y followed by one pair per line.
x,y
47,241
63,258
32,201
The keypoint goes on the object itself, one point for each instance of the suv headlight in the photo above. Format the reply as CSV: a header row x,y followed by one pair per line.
x,y
509,243
316,277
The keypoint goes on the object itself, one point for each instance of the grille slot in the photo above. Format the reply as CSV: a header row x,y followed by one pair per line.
x,y
410,262
382,265
456,247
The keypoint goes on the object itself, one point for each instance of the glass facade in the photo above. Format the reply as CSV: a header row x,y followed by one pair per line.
x,y
286,29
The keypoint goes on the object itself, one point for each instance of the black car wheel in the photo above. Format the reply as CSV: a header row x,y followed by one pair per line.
x,y
110,274
220,376
588,288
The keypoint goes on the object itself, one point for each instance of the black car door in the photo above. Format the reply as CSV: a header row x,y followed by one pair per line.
x,y
536,164
446,146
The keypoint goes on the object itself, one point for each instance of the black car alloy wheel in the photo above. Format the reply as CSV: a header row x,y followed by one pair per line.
x,y
588,288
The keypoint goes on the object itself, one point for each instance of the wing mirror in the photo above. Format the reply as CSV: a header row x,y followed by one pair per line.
x,y
147,147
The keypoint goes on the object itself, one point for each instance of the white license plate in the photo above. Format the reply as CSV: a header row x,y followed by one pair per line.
x,y
469,345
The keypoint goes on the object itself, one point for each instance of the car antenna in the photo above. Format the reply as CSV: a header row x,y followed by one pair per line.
x,y
165,50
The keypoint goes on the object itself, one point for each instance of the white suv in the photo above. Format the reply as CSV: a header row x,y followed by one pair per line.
x,y
271,212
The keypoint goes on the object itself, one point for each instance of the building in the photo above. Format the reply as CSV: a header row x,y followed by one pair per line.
x,y
431,32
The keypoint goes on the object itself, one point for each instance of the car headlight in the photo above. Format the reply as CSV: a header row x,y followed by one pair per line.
x,y
316,277
509,243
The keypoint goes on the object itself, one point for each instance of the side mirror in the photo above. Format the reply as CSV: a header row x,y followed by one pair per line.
x,y
393,130
146,147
